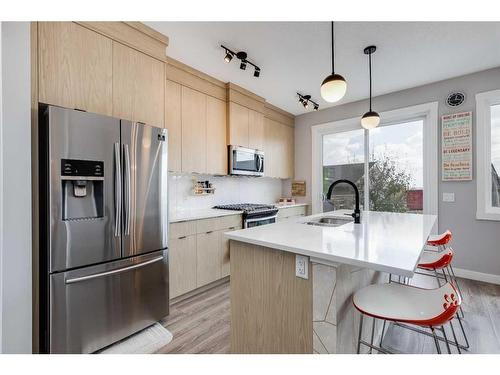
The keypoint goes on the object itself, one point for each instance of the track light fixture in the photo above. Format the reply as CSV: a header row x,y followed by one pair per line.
x,y
242,56
305,100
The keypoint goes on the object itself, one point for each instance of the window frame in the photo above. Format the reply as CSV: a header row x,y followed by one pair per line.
x,y
428,112
484,101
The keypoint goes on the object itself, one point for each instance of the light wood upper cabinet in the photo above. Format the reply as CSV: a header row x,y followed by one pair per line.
x,y
216,136
278,149
173,122
194,131
255,130
138,86
75,67
238,125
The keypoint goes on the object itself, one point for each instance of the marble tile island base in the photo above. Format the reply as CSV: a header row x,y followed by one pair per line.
x,y
273,311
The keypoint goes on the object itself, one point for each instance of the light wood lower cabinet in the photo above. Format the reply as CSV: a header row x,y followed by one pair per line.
x,y
209,262
75,67
199,252
182,265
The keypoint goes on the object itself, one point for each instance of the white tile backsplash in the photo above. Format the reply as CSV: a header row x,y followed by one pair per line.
x,y
228,190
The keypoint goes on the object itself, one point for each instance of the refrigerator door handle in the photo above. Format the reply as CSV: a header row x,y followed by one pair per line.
x,y
118,190
113,272
127,192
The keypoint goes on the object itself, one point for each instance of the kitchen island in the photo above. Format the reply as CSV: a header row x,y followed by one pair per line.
x,y
275,311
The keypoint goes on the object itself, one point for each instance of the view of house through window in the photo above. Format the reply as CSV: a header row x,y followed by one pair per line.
x,y
495,155
395,167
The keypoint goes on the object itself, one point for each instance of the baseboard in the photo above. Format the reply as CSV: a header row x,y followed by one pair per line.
x,y
479,276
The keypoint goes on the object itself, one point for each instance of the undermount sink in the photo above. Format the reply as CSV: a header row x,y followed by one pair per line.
x,y
329,221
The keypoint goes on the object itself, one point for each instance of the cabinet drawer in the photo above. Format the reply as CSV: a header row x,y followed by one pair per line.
x,y
233,221
207,225
292,211
181,229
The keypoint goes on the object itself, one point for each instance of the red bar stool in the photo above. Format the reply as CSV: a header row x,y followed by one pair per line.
x,y
409,305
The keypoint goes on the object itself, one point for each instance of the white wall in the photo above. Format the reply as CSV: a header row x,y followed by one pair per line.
x,y
228,190
476,242
15,171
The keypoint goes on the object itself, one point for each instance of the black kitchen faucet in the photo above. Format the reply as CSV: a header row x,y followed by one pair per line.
x,y
356,214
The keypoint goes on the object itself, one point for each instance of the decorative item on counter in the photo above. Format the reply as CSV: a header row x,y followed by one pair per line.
x,y
286,201
203,188
298,188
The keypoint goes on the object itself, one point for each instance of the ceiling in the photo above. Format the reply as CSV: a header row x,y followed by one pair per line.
x,y
295,56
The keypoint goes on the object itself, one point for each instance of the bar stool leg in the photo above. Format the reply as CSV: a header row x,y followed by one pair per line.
x,y
455,281
455,337
373,334
383,331
463,331
436,341
446,340
360,331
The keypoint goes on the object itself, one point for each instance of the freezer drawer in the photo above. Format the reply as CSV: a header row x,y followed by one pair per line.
x,y
98,305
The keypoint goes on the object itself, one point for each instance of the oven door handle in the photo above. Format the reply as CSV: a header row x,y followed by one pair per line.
x,y
259,219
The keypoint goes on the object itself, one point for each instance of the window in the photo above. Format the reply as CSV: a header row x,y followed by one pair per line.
x,y
343,158
394,166
488,155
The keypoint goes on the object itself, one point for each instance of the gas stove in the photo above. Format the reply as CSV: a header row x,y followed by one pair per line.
x,y
253,214
246,207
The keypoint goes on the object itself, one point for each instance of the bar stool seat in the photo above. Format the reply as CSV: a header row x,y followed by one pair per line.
x,y
439,239
408,304
434,261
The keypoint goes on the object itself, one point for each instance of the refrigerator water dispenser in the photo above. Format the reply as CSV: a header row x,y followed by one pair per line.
x,y
82,189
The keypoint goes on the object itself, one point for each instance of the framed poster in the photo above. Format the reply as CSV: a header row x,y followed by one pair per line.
x,y
456,147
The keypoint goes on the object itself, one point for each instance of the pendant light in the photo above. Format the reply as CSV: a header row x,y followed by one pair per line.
x,y
334,86
370,119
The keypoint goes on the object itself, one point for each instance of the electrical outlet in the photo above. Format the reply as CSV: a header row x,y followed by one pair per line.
x,y
448,197
302,266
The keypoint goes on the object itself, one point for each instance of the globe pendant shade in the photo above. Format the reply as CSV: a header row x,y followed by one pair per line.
x,y
370,120
333,88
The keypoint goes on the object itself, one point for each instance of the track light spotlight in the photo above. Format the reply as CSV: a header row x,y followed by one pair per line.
x,y
228,57
242,56
305,99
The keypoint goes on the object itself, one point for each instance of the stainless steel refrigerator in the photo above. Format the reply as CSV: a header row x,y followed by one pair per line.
x,y
103,229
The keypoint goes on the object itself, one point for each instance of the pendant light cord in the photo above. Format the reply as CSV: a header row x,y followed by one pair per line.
x,y
333,53
370,70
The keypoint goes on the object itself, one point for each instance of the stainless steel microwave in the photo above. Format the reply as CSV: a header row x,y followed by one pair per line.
x,y
246,161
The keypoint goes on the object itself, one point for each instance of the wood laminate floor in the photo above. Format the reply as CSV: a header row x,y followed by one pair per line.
x,y
201,323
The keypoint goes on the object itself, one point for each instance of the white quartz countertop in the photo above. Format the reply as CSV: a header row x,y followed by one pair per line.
x,y
197,214
388,242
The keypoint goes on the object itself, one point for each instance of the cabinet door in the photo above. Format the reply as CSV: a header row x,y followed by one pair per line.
x,y
216,136
272,148
208,258
255,130
194,131
238,125
182,265
75,67
173,124
138,86
225,254
289,151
